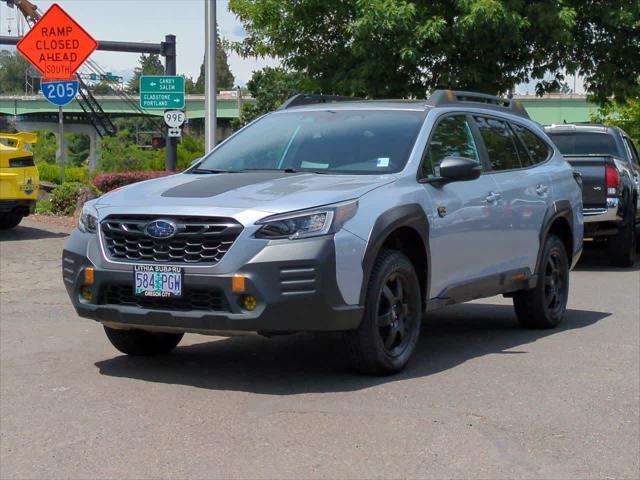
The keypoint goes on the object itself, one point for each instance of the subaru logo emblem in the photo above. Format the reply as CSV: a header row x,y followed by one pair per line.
x,y
161,229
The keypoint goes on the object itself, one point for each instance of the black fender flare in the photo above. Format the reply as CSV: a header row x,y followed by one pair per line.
x,y
558,209
411,215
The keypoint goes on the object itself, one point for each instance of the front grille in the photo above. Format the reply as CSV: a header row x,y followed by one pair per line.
x,y
202,240
192,299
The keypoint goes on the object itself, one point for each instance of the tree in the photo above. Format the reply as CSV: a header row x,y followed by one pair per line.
x,y
626,116
402,48
149,65
270,87
13,69
224,77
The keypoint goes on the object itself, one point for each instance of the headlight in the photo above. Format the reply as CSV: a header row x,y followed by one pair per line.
x,y
307,223
88,220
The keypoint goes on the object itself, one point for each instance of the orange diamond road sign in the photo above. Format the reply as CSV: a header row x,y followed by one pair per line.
x,y
56,45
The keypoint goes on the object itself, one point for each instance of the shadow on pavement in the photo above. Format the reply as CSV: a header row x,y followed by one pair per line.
x,y
317,363
595,258
28,233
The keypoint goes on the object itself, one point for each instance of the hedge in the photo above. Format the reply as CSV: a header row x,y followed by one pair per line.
x,y
51,173
106,182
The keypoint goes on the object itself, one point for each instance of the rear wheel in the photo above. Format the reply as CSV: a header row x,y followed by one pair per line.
x,y
9,220
388,333
139,342
544,305
622,247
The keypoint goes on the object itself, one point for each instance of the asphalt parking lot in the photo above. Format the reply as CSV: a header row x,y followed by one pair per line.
x,y
482,397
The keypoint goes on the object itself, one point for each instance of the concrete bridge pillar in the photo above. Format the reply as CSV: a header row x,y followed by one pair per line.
x,y
94,139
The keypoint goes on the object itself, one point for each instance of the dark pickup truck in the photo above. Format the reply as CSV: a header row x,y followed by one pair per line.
x,y
608,161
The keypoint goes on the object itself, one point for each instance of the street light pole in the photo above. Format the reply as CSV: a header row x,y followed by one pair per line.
x,y
210,38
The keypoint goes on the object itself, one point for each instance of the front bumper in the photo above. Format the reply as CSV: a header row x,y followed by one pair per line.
x,y
294,283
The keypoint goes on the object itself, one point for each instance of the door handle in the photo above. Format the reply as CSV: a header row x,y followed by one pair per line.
x,y
493,198
542,190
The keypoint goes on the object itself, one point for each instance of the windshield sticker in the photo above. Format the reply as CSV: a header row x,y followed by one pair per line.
x,y
383,162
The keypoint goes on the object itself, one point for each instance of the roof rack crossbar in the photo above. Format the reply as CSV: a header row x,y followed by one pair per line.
x,y
449,97
310,99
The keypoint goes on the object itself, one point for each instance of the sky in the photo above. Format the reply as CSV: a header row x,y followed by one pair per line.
x,y
151,20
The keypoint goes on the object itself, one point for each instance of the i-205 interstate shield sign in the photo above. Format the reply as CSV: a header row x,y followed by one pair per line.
x,y
60,93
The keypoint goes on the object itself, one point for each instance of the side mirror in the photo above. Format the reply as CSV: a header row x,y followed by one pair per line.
x,y
194,161
456,169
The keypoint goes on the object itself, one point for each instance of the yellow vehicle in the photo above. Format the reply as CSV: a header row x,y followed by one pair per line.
x,y
19,180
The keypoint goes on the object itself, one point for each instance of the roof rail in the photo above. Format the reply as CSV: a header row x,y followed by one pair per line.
x,y
310,99
450,97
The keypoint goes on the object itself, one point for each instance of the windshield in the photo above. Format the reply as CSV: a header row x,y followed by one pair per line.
x,y
584,143
355,141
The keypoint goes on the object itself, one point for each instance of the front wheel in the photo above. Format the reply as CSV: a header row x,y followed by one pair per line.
x,y
9,220
544,305
140,342
388,333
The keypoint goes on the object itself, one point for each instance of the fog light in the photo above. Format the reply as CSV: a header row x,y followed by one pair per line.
x,y
86,292
249,302
88,275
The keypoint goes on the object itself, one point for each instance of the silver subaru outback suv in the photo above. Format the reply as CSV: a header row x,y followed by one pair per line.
x,y
333,215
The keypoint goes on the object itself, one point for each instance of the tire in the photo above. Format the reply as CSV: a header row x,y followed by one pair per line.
x,y
10,220
544,305
140,342
390,327
622,247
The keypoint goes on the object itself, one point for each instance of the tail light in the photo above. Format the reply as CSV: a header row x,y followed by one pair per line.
x,y
612,178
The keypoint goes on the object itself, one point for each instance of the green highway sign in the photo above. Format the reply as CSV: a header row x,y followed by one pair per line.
x,y
161,92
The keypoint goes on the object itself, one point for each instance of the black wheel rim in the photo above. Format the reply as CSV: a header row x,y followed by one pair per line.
x,y
395,316
555,285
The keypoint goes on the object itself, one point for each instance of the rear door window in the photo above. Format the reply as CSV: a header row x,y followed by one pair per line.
x,y
538,149
499,142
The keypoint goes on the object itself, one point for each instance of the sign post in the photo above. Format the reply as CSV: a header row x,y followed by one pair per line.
x,y
60,93
63,148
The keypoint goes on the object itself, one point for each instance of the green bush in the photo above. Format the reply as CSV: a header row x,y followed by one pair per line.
x,y
43,207
51,173
65,198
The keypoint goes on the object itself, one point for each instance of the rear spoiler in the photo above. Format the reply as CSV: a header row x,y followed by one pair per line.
x,y
21,138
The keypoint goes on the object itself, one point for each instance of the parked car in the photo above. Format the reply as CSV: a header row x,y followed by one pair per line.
x,y
19,180
608,161
336,216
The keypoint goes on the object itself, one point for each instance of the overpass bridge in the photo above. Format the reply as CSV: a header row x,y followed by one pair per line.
x,y
35,113
546,110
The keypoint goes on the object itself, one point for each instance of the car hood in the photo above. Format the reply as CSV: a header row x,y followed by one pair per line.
x,y
272,192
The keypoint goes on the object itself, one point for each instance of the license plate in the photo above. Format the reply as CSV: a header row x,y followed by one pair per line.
x,y
157,281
